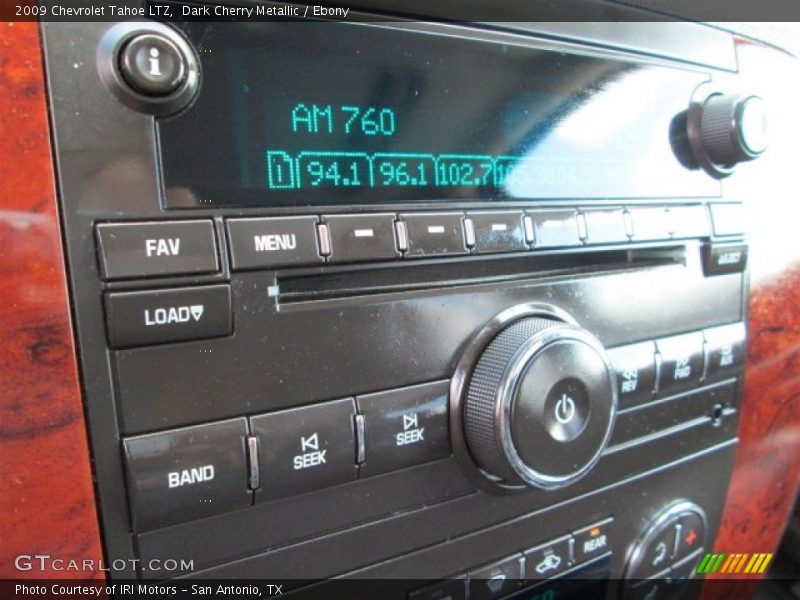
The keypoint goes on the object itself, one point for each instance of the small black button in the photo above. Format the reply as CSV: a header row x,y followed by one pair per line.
x,y
719,259
548,560
165,316
304,449
497,579
357,238
685,569
152,65
156,248
681,362
655,588
594,540
656,554
273,242
650,223
724,350
689,221
727,218
186,474
452,589
498,231
405,427
692,534
605,226
554,228
432,234
635,367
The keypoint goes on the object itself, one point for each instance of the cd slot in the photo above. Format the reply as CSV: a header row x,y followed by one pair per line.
x,y
399,277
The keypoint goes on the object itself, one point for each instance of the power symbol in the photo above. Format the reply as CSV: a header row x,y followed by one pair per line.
x,y
565,409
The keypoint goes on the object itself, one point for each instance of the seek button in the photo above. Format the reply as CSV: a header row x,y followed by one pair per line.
x,y
304,449
404,427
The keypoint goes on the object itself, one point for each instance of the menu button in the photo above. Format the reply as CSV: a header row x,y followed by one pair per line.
x,y
273,242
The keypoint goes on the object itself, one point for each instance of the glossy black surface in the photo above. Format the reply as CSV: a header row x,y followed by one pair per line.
x,y
414,117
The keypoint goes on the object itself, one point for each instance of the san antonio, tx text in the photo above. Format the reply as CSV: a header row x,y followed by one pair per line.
x,y
124,589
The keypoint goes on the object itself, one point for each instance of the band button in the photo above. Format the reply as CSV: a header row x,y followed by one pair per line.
x,y
171,315
156,248
273,242
185,474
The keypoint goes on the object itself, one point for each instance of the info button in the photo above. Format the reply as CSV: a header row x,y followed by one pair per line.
x,y
273,242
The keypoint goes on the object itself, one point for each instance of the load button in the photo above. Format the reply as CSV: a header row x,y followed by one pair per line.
x,y
172,315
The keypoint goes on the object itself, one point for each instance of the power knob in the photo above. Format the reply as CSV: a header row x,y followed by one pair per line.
x,y
538,405
727,129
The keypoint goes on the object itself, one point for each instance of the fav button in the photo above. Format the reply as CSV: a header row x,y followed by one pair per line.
x,y
681,362
273,242
156,248
593,541
357,238
548,560
404,427
304,449
171,315
186,474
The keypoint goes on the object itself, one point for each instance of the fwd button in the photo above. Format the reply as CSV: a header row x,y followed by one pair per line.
x,y
172,315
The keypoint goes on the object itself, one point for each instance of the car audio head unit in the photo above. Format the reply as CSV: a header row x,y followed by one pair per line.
x,y
402,299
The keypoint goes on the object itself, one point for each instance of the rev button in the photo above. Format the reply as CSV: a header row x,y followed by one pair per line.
x,y
273,242
172,315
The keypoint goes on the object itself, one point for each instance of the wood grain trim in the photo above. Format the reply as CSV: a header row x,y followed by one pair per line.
x,y
47,504
767,470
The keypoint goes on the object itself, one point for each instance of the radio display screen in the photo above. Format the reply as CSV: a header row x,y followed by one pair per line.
x,y
294,114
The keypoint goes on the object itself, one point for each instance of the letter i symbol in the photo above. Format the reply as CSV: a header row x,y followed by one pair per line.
x,y
155,66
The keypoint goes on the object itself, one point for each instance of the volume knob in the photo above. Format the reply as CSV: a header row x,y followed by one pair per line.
x,y
539,405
